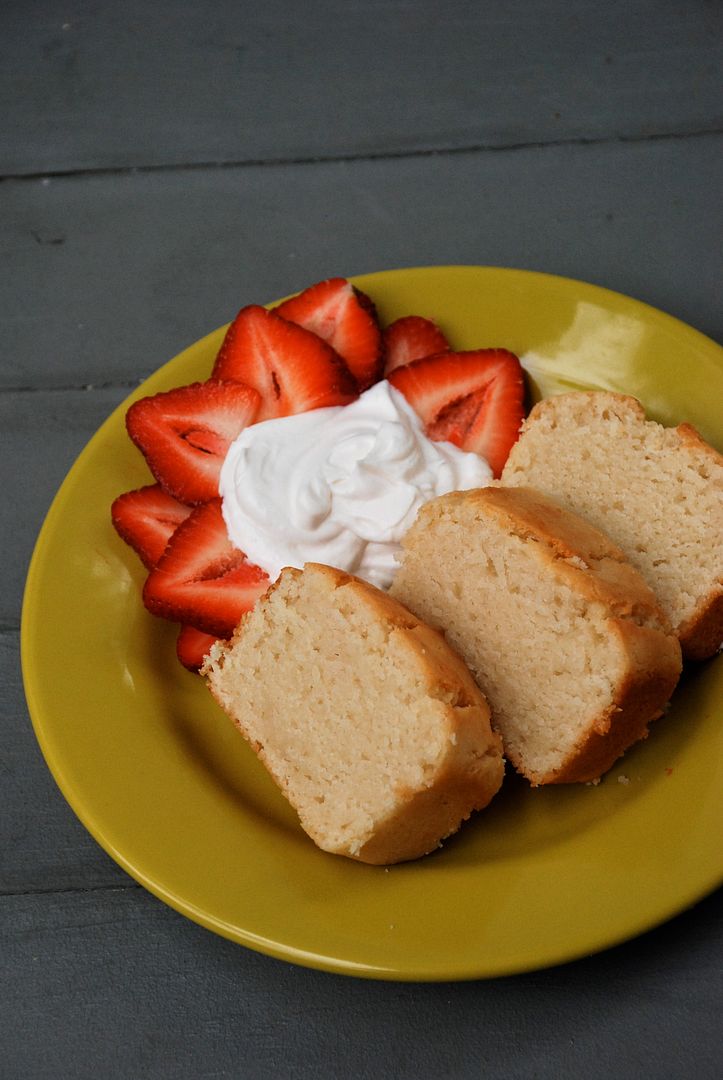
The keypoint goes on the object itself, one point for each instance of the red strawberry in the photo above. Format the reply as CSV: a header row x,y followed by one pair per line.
x,y
203,579
347,319
146,519
473,399
291,368
411,338
184,434
193,646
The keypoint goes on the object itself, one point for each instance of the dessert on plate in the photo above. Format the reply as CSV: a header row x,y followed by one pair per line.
x,y
323,441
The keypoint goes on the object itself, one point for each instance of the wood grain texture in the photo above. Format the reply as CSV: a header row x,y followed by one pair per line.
x,y
108,277
113,984
138,84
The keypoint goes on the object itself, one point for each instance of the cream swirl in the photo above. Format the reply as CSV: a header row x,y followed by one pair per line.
x,y
339,486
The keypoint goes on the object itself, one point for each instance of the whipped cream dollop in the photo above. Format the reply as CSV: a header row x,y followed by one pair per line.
x,y
339,485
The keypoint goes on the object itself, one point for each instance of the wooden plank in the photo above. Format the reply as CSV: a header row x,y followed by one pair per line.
x,y
91,85
127,270
113,984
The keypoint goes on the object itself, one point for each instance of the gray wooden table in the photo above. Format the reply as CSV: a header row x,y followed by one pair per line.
x,y
164,163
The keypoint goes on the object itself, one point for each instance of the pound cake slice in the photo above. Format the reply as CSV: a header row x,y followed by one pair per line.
x,y
656,491
565,638
370,724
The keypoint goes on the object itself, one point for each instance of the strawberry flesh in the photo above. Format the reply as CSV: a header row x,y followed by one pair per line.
x,y
147,519
411,338
346,318
202,578
184,434
291,368
473,399
193,645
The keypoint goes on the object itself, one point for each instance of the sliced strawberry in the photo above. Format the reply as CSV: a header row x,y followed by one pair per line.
x,y
411,338
291,368
184,434
473,399
147,519
202,578
192,646
347,319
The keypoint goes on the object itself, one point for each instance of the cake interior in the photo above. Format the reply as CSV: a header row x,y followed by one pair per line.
x,y
631,478
542,653
329,696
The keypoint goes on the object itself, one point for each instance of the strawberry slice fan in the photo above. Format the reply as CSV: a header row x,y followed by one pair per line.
x,y
147,519
473,399
202,579
411,338
184,434
320,348
193,646
291,368
346,319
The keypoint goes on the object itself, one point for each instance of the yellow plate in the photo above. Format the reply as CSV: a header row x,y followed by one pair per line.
x,y
167,787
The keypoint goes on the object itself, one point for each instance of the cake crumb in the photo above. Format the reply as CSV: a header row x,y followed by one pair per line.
x,y
623,779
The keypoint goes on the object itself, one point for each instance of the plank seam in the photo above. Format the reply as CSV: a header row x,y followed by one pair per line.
x,y
382,155
131,886
131,384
